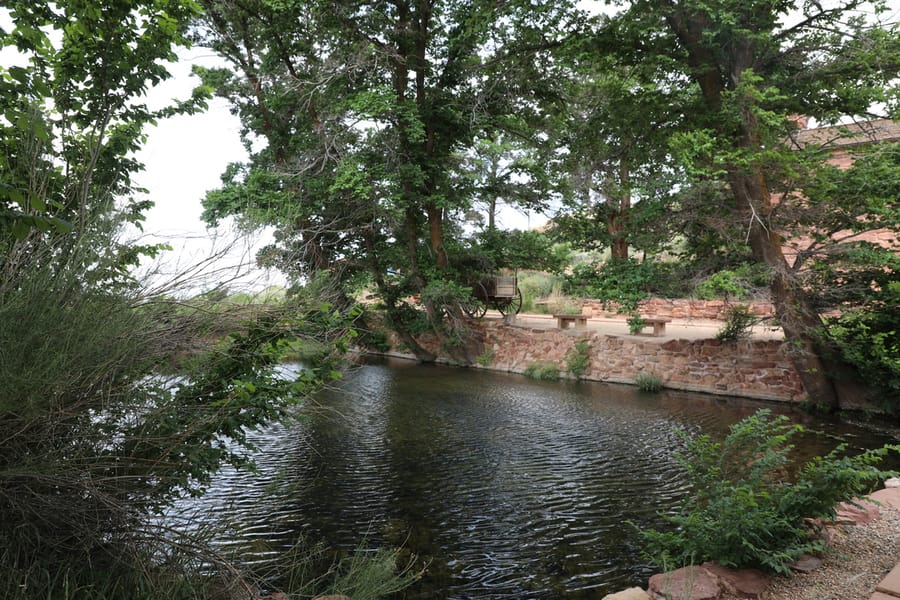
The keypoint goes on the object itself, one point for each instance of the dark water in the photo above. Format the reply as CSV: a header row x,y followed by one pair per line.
x,y
505,487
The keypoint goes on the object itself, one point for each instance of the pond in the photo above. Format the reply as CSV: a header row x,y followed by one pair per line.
x,y
505,487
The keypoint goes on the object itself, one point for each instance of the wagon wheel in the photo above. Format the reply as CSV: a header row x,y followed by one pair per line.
x,y
511,305
474,306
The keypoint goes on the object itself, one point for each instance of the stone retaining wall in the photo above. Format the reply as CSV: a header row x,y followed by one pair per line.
x,y
757,369
749,368
679,308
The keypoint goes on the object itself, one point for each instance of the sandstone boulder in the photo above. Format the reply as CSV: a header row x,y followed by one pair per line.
x,y
634,593
858,512
687,583
888,497
743,583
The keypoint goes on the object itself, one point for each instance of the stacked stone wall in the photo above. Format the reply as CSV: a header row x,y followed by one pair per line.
x,y
759,369
678,308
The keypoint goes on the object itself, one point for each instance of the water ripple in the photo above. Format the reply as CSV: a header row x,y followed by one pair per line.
x,y
507,488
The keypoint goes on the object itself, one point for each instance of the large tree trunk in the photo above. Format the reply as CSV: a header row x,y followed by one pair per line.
x,y
617,221
799,320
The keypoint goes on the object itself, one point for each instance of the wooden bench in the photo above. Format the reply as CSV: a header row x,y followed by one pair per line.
x,y
563,321
659,324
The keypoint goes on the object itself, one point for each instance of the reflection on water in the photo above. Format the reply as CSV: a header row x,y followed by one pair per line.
x,y
506,487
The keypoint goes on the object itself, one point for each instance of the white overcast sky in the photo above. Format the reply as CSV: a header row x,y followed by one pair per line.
x,y
184,157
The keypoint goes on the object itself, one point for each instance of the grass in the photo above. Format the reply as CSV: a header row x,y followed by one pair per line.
x,y
542,372
647,382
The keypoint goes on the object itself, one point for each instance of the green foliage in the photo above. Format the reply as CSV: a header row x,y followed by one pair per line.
x,y
72,104
372,575
542,372
373,339
738,323
516,249
648,382
723,284
578,359
96,440
870,341
535,285
624,282
312,570
636,323
485,358
745,510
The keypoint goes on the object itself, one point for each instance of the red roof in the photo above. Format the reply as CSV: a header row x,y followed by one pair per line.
x,y
850,134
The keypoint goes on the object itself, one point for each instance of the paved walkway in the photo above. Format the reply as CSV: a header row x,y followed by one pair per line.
x,y
685,329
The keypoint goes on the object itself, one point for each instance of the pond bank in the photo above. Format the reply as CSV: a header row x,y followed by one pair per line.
x,y
687,357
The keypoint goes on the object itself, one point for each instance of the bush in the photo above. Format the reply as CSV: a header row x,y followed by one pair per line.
x,y
96,439
743,281
870,341
625,282
485,358
636,323
542,372
738,323
578,358
744,511
535,285
375,340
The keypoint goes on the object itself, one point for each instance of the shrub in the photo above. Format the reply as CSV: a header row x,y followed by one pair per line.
x,y
742,282
375,340
648,383
743,511
870,341
534,285
542,372
96,439
636,323
625,282
485,358
579,358
738,323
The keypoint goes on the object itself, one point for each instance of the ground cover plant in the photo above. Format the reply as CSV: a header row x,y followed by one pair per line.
x,y
750,506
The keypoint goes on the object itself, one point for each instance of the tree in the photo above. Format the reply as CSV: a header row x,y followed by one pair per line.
x,y
72,119
751,65
95,438
508,170
611,127
365,109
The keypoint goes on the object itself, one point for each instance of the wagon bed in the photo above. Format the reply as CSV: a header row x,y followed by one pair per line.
x,y
499,292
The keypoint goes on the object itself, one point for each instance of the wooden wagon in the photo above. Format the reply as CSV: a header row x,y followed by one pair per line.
x,y
499,292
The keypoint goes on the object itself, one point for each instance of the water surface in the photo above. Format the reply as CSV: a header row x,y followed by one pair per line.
x,y
504,487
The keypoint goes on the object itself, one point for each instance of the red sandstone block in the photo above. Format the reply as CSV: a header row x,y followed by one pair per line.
x,y
888,497
881,596
891,583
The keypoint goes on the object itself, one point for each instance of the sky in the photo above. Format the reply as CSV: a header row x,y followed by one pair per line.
x,y
184,157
